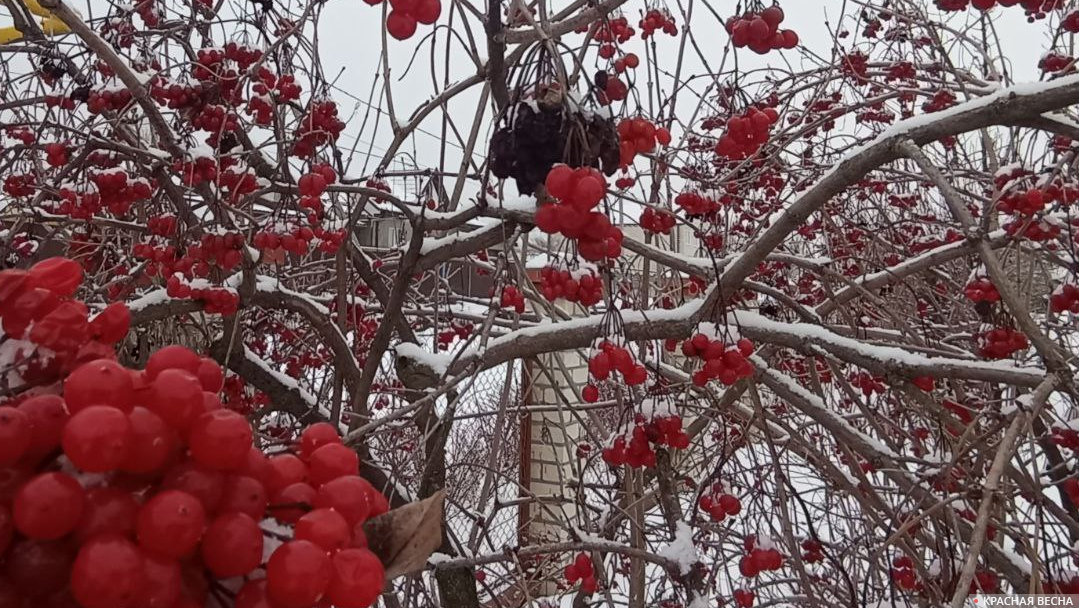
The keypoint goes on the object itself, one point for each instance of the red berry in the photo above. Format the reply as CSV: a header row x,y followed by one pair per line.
x,y
172,357
356,579
316,436
49,506
15,435
176,396
289,505
161,583
152,442
232,545
285,470
171,524
210,375
350,496
297,574
97,438
47,416
108,573
244,494
325,527
400,25
58,275
253,595
204,484
108,511
220,440
100,382
330,462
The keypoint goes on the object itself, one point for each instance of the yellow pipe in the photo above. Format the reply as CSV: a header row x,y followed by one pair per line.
x,y
50,25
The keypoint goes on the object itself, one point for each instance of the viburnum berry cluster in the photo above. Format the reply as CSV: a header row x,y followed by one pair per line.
x,y
582,571
725,362
903,575
582,285
1065,298
405,15
1002,342
744,598
291,239
319,126
1023,203
578,192
812,551
216,300
657,221
981,289
657,20
696,204
639,136
138,488
639,451
746,133
612,357
760,31
1036,9
719,503
761,556
511,297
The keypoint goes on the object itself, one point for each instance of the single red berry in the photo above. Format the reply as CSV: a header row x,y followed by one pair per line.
x,y
325,527
290,504
152,442
356,579
297,574
232,545
350,496
285,470
171,524
47,416
100,382
15,435
220,440
162,583
244,494
172,357
97,438
330,462
108,573
176,396
49,506
316,436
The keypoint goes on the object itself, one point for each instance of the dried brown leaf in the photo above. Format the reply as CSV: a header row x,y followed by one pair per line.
x,y
404,538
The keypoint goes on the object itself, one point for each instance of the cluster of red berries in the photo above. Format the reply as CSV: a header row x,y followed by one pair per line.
x,y
696,204
1024,203
610,31
640,451
269,88
512,297
578,193
105,100
1065,298
216,300
56,154
176,95
610,87
197,171
1066,438
1038,230
867,382
175,488
743,598
221,250
903,575
746,133
639,136
20,185
612,357
296,240
162,225
583,285
406,14
581,570
727,363
60,101
657,221
458,330
760,31
35,305
1034,8
1055,62
981,289
761,556
812,551
118,192
1002,342
657,20
719,503
1070,22
319,126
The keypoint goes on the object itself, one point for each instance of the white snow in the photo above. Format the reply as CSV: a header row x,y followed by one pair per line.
x,y
681,550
